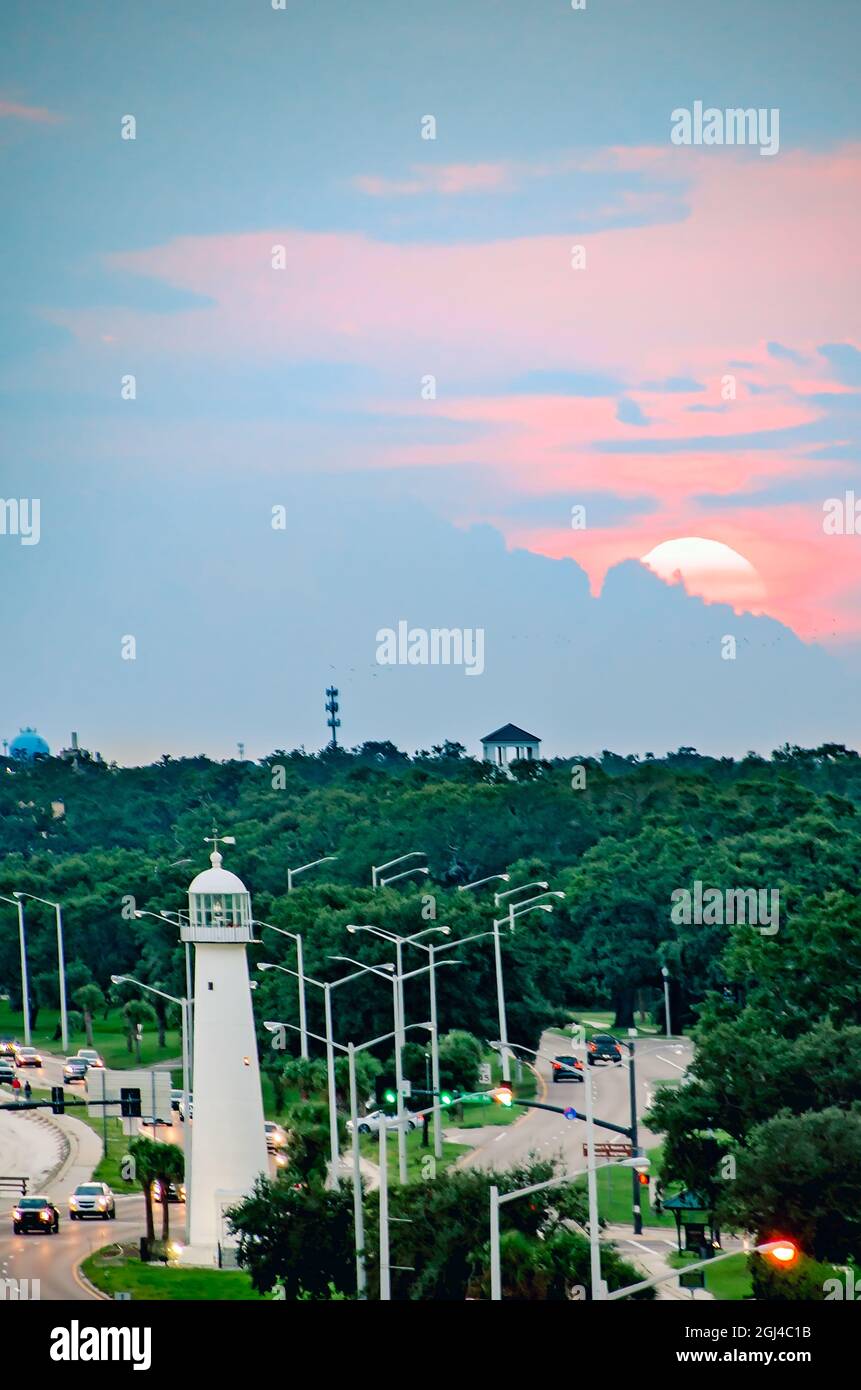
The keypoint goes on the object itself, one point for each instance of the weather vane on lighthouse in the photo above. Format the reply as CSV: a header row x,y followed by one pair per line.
x,y
213,840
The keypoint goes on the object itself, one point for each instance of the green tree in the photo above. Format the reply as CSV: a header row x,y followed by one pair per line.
x,y
169,1167
89,998
136,1014
144,1153
800,1176
299,1234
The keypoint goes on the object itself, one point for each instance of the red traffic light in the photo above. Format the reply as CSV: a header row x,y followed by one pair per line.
x,y
643,1179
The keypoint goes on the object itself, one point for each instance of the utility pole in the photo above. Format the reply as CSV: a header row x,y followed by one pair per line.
x,y
332,710
635,1176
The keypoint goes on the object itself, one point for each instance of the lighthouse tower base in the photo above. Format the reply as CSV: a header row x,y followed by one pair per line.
x,y
228,1138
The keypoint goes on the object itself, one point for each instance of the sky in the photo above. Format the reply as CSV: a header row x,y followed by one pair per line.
x,y
478,376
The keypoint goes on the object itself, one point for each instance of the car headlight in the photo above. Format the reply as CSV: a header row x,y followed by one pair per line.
x,y
17,1213
45,1215
73,1201
101,1204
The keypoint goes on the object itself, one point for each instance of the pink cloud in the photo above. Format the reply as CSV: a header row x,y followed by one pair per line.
x,y
446,179
13,110
768,251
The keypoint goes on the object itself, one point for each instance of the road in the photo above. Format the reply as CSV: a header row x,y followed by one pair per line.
x,y
546,1134
53,1259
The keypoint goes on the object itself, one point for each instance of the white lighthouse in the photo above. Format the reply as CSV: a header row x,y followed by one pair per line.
x,y
229,1142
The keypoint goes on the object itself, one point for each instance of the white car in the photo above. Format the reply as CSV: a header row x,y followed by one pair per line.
x,y
90,1056
92,1199
373,1121
276,1137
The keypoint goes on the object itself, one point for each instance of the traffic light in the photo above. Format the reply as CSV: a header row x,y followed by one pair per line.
x,y
503,1095
643,1179
386,1092
58,1106
130,1102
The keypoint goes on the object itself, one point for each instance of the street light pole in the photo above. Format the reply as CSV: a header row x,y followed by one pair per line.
x,y
515,910
61,960
632,1093
385,1256
378,868
398,942
186,1092
496,1202
178,919
327,987
666,974
25,984
592,1185
300,965
358,1206
293,873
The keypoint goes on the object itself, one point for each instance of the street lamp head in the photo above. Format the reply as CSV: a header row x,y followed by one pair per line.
x,y
446,931
665,972
273,1027
117,979
16,893
265,965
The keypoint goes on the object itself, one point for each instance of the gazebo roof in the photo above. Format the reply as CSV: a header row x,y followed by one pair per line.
x,y
686,1201
510,733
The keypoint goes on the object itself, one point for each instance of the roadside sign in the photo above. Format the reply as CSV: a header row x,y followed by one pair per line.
x,y
606,1149
484,1074
693,1279
104,1083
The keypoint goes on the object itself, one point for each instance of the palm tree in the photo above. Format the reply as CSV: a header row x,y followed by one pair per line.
x,y
89,998
135,1012
170,1166
144,1151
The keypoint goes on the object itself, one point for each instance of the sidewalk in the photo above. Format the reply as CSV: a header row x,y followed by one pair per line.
x,y
649,1253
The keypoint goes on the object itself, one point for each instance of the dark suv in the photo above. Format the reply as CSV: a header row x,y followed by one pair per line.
x,y
604,1048
35,1214
567,1069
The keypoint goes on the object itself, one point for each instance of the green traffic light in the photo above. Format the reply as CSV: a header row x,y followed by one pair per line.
x,y
390,1097
445,1098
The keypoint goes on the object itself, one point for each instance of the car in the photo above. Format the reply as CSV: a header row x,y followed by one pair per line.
x,y
372,1122
567,1069
90,1056
92,1199
175,1099
35,1214
604,1048
7,1071
8,1047
155,1121
181,1107
75,1070
27,1057
276,1137
175,1191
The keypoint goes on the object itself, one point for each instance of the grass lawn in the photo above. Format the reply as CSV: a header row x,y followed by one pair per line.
x,y
148,1282
728,1281
615,1195
604,1021
291,1097
369,1147
108,1036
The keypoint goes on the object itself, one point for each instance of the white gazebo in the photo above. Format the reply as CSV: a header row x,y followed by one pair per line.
x,y
508,744
227,1135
